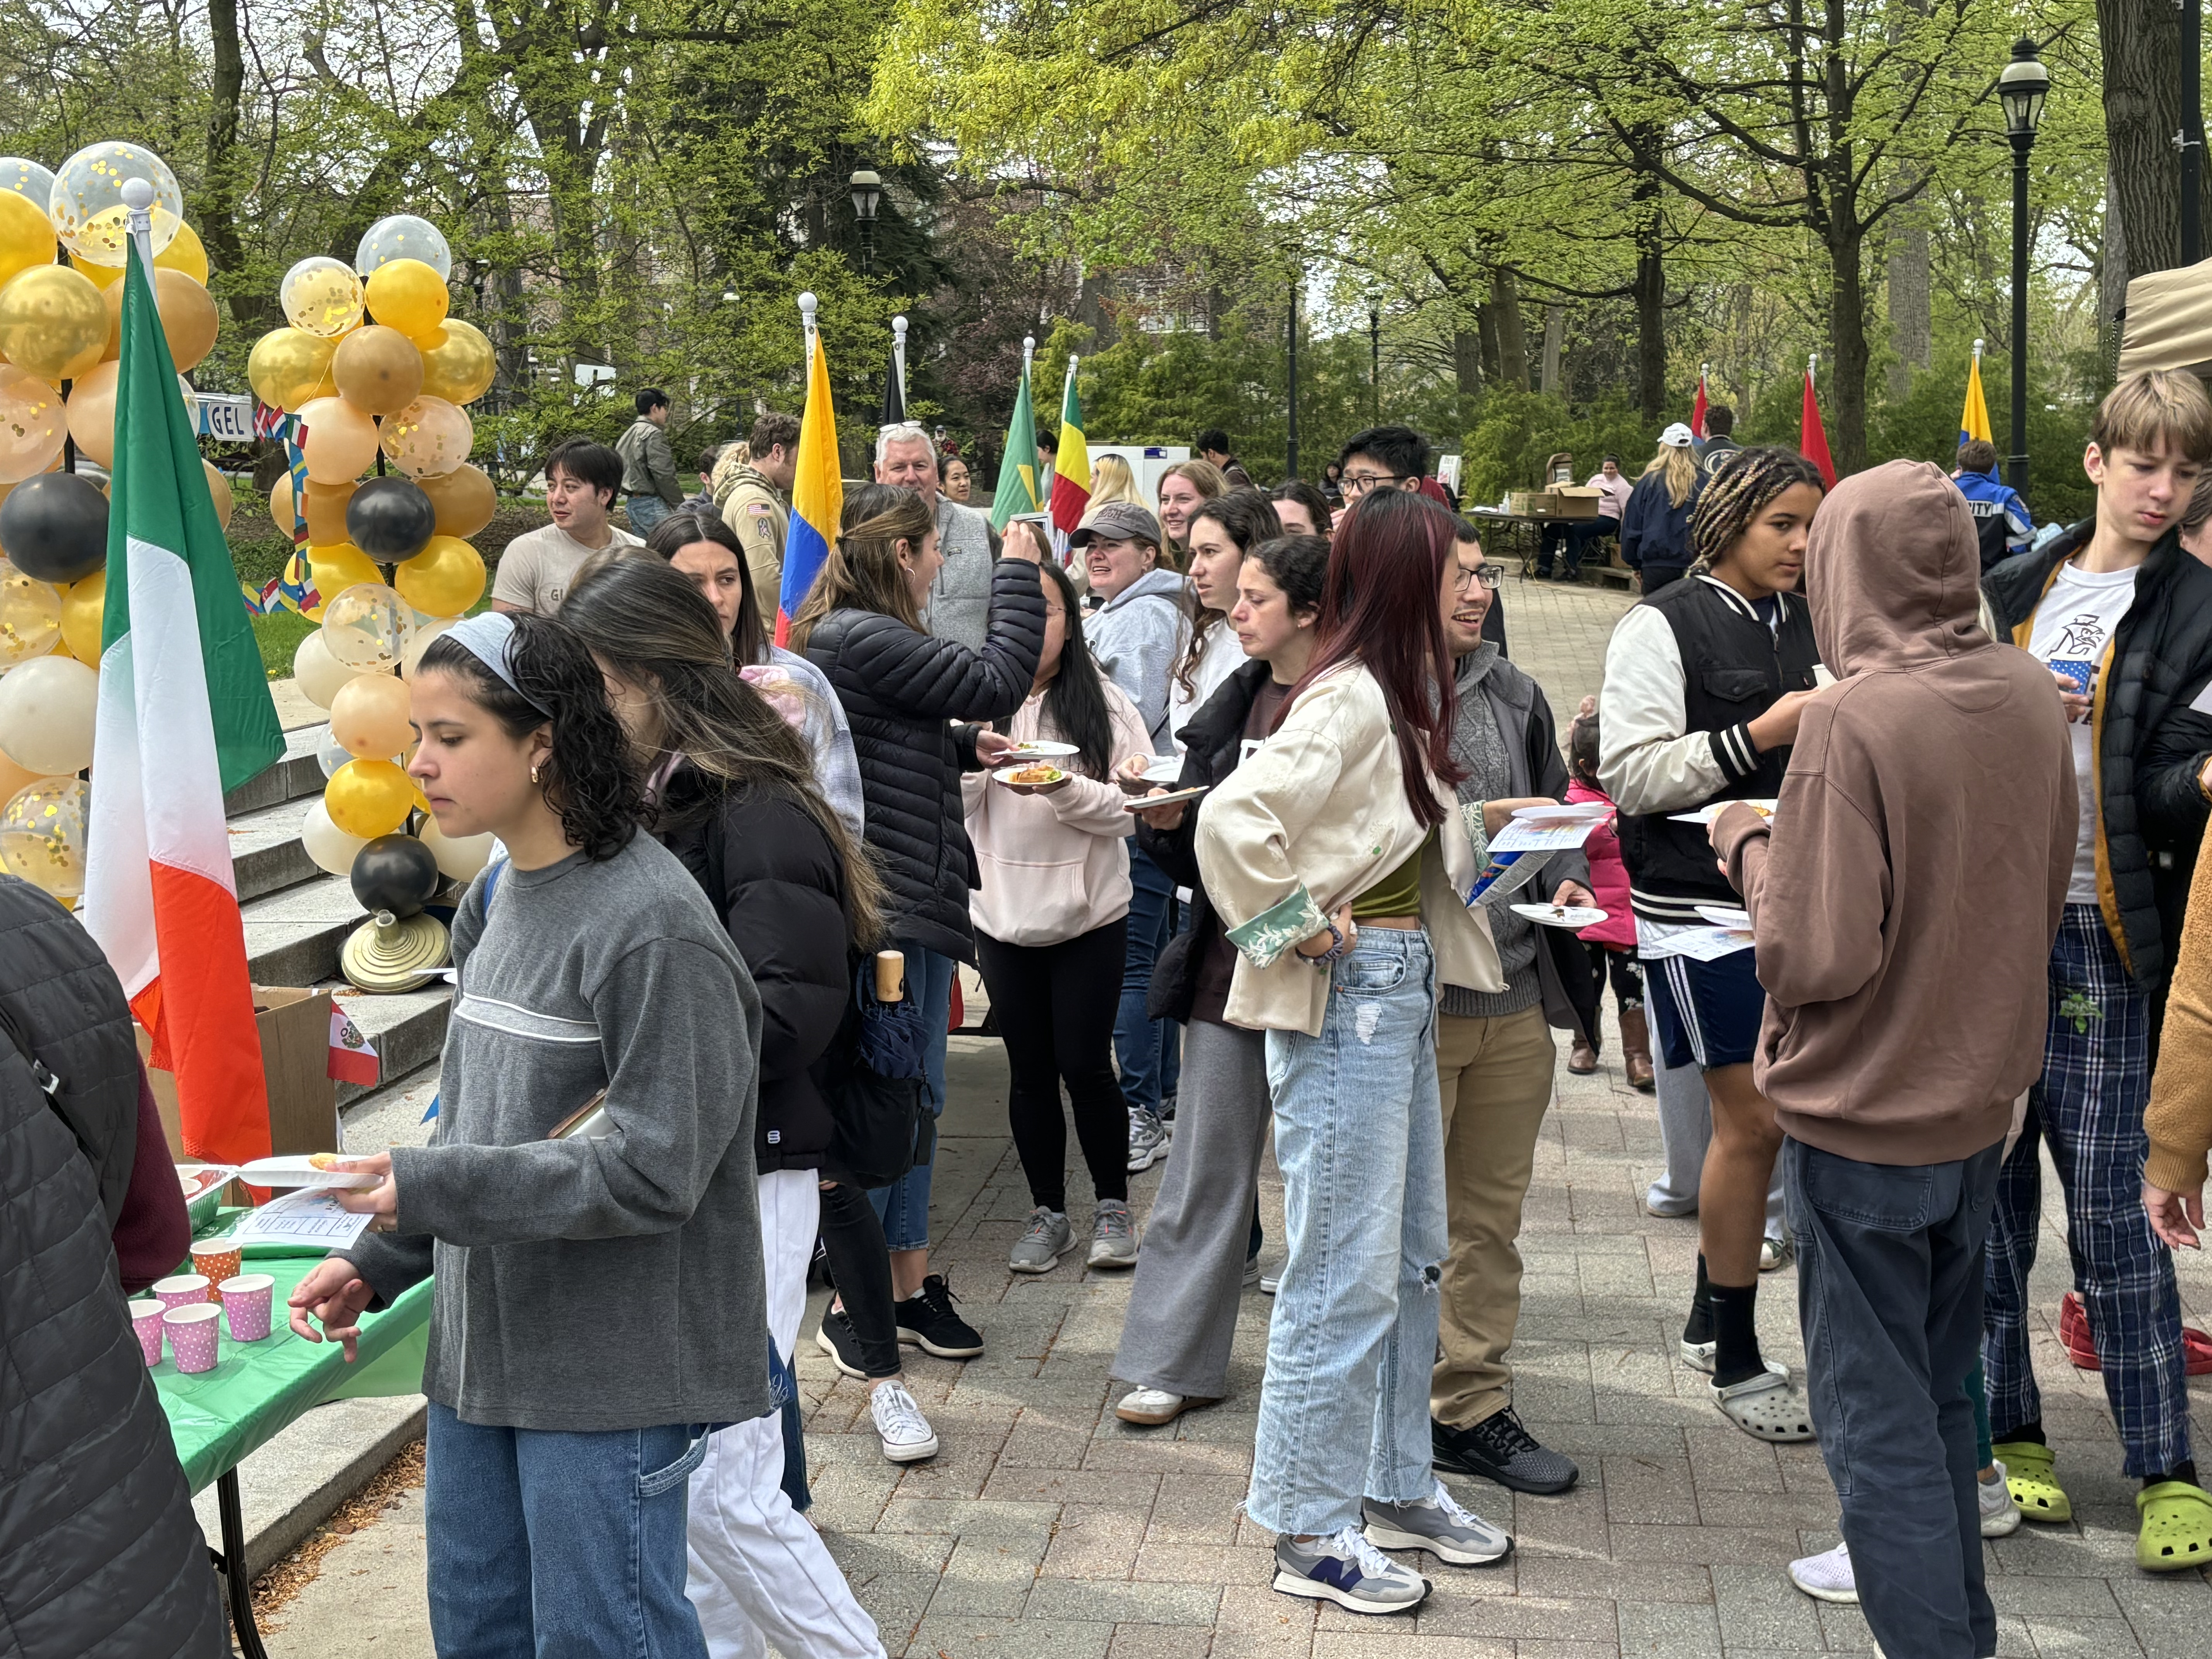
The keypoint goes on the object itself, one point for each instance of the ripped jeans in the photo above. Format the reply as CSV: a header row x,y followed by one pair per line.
x,y
1359,1137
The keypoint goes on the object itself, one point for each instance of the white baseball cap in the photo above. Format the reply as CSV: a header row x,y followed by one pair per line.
x,y
1676,436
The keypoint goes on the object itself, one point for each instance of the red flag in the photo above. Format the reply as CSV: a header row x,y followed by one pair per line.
x,y
1697,409
1813,437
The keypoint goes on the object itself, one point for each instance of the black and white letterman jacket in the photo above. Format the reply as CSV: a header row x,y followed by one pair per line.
x,y
1687,671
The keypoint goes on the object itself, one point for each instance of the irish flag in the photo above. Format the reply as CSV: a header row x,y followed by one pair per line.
x,y
184,713
1071,477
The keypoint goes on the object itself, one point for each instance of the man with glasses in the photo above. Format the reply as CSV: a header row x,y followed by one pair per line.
x,y
960,600
1383,458
1495,1053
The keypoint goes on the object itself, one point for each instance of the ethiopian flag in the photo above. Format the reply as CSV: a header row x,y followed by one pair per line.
x,y
184,713
1017,479
1071,477
1974,419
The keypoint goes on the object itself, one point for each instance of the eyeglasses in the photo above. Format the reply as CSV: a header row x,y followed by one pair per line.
x,y
1492,577
1358,483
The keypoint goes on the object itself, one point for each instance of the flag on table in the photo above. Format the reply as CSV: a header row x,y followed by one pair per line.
x,y
1018,479
1813,437
1697,409
1071,473
184,713
817,495
1974,419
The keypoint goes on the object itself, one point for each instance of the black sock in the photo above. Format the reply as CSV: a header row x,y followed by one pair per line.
x,y
1736,1357
2026,1433
2185,1470
1700,1326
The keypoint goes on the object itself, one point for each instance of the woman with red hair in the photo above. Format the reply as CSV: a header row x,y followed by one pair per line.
x,y
1338,861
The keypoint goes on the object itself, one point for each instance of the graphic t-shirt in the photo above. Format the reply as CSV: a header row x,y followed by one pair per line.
x,y
2075,624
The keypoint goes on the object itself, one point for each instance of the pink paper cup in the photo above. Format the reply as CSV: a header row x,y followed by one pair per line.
x,y
146,1320
192,1331
181,1291
215,1260
246,1300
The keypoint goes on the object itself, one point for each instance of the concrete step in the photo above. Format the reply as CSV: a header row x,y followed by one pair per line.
x,y
407,1028
265,854
293,935
295,777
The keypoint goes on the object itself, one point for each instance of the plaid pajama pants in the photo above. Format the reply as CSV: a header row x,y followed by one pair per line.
x,y
2089,1107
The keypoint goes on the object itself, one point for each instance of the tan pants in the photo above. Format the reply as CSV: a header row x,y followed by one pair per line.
x,y
1495,1077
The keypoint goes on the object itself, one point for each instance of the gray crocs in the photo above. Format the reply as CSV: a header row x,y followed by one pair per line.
x,y
1769,1406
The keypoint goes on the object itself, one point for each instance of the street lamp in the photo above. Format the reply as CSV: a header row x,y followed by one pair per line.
x,y
867,188
1374,341
2020,89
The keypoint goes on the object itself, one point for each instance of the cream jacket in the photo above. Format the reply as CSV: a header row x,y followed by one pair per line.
x,y
1054,866
1317,817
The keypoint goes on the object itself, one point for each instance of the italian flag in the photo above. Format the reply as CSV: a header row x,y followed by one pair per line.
x,y
184,713
1071,475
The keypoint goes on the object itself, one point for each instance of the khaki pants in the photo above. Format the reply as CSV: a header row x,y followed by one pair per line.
x,y
1495,1077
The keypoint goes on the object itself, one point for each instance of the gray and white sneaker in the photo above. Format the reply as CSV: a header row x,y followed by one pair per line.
x,y
1827,1577
1348,1571
1148,1139
1039,1249
1441,1527
1113,1237
905,1434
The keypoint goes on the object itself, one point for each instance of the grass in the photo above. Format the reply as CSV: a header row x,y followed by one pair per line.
x,y
279,636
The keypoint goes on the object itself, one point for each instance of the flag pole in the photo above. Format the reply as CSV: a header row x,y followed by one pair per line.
x,y
807,305
898,355
1978,351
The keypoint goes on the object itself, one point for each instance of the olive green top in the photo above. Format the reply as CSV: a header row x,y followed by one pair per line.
x,y
1399,893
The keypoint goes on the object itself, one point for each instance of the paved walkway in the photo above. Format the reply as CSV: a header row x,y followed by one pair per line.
x,y
1048,1529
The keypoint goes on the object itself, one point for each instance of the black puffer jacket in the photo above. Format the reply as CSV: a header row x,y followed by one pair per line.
x,y
2153,746
901,690
100,1555
767,862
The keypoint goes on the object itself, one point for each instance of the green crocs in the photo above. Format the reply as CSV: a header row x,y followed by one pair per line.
x,y
2177,1527
2027,1473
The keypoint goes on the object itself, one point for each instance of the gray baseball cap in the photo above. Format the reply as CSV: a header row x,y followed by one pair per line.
x,y
1118,521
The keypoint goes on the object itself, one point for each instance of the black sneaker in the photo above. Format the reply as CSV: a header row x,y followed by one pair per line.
x,y
928,1322
840,1342
1499,1449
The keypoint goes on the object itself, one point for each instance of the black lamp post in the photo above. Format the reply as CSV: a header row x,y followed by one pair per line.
x,y
867,188
2022,89
1290,447
1375,344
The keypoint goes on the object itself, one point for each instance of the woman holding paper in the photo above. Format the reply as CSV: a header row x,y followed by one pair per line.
x,y
598,1301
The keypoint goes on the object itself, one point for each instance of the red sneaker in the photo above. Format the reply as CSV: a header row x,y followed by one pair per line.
x,y
2074,1334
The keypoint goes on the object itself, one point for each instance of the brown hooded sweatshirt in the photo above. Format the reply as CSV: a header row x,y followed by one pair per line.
x,y
1907,892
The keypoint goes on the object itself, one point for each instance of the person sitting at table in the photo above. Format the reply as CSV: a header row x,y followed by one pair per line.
x,y
1613,491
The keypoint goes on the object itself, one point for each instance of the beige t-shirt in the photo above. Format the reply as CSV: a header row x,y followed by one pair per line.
x,y
538,566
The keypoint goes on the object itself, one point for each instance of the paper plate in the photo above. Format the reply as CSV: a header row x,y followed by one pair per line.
x,y
1561,915
1164,768
1007,774
1573,811
1043,749
294,1171
1713,809
1727,915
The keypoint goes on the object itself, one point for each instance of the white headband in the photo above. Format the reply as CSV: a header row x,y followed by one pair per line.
x,y
489,637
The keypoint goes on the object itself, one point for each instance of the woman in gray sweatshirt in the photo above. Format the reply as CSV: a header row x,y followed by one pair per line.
x,y
599,1297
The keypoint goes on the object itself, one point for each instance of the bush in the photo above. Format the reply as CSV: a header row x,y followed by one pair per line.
x,y
1515,432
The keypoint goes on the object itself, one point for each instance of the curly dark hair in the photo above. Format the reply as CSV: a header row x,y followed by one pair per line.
x,y
589,780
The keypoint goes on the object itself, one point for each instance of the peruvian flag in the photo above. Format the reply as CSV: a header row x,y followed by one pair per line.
x,y
184,713
1697,409
1070,474
1813,437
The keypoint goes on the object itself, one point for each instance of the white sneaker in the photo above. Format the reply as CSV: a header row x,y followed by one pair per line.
x,y
1773,1253
905,1432
1270,1283
1148,1139
1150,1408
1999,1514
1827,1577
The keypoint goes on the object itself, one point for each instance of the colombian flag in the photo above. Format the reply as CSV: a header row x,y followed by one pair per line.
x,y
1974,420
1071,477
817,496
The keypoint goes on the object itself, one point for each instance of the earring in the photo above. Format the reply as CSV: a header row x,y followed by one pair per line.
x,y
533,774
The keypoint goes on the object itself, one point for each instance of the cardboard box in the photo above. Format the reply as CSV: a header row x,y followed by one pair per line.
x,y
1575,501
296,1058
1532,503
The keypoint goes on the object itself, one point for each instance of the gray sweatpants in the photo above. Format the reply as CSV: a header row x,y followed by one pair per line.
x,y
1686,1130
1190,1273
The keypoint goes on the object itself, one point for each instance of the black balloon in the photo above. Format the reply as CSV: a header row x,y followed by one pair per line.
x,y
397,873
390,519
54,527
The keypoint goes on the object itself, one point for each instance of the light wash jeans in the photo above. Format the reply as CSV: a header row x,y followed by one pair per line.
x,y
645,512
903,1206
1359,1135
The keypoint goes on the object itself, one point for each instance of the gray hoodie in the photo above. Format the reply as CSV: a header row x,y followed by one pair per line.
x,y
1136,636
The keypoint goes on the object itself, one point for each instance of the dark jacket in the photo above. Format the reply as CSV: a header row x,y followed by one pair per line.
x,y
2151,745
1653,532
767,865
901,690
100,1555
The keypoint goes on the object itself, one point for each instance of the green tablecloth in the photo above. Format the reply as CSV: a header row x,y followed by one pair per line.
x,y
259,1388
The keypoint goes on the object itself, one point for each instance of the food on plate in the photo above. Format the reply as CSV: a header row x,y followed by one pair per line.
x,y
322,1160
1038,773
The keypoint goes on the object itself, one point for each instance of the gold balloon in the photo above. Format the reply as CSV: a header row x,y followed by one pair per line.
x,y
444,579
42,834
52,322
368,626
189,318
340,566
425,635
368,716
27,236
369,797
339,441
428,438
408,296
84,609
219,492
458,363
30,617
33,426
464,498
186,254
326,507
321,295
91,411
378,369
290,367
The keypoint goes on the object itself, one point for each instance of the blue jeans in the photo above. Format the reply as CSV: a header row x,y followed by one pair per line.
x,y
645,512
1359,1134
553,1546
1143,1046
903,1206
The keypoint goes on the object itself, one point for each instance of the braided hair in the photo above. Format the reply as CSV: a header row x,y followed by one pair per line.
x,y
1738,493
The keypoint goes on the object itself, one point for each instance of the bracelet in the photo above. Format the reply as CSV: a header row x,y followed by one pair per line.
x,y
1335,951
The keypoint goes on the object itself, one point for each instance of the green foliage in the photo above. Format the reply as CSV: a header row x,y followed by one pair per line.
x,y
1516,432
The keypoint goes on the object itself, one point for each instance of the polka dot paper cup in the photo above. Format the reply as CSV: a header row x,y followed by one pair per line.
x,y
146,1320
246,1299
191,1331
215,1260
184,1289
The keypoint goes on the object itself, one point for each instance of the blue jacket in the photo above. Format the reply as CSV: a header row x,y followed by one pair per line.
x,y
2001,518
1653,532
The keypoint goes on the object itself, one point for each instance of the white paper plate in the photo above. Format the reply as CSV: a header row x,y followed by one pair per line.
x,y
1713,809
1164,768
294,1170
1573,811
198,1178
1006,774
1727,915
1043,749
1561,915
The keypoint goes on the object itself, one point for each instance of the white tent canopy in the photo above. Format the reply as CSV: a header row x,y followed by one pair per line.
x,y
2169,321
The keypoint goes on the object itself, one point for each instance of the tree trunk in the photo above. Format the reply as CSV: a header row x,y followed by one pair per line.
x,y
1467,367
1555,340
1485,323
1651,297
2140,40
1512,342
2112,277
1845,398
1911,317
226,166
